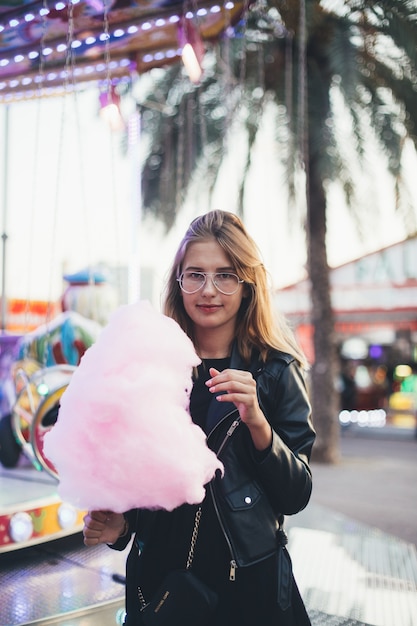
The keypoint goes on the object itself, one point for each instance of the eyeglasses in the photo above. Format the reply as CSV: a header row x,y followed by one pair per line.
x,y
225,282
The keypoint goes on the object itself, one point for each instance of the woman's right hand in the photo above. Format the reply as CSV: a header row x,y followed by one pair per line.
x,y
103,527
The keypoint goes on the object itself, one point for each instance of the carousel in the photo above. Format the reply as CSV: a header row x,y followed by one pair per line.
x,y
50,48
55,48
40,533
31,511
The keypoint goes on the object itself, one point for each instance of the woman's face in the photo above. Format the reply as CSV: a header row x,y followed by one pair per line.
x,y
208,308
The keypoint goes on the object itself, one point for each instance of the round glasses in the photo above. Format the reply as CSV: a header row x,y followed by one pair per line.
x,y
225,282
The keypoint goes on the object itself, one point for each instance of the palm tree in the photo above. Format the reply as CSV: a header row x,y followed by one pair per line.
x,y
298,53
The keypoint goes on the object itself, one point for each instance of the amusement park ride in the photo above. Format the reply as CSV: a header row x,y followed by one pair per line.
x,y
30,510
48,48
46,573
45,47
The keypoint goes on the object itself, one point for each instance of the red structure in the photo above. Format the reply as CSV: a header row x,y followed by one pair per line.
x,y
375,306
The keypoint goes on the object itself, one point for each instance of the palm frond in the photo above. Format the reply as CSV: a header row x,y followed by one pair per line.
x,y
404,92
192,118
345,51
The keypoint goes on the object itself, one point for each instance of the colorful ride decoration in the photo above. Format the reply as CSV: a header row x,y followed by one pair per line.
x,y
38,388
39,366
38,521
47,358
61,341
36,407
41,518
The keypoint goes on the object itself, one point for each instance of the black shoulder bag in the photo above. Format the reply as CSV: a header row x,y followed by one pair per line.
x,y
182,598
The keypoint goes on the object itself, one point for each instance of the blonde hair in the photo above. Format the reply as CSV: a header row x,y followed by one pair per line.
x,y
257,325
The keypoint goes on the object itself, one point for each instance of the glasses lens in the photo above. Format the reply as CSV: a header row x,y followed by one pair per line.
x,y
191,281
226,283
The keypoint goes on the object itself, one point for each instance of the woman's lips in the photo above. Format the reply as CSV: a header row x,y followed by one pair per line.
x,y
208,308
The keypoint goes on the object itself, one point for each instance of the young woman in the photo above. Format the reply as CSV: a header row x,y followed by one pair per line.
x,y
251,370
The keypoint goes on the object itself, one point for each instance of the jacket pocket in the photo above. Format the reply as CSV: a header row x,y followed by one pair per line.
x,y
244,497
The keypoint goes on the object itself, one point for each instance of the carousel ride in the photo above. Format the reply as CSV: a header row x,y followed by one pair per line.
x,y
45,570
30,510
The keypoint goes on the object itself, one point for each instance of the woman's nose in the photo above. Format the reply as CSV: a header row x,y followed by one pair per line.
x,y
209,286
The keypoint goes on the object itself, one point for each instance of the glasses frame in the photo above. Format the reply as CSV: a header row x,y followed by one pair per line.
x,y
211,275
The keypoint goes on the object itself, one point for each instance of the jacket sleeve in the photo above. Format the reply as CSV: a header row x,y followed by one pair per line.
x,y
139,523
284,472
131,519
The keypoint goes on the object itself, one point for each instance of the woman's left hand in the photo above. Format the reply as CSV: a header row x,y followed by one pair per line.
x,y
240,388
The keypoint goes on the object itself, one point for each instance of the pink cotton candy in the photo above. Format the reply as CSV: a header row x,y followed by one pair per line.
x,y
124,437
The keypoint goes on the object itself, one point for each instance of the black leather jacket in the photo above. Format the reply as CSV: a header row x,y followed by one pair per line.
x,y
258,489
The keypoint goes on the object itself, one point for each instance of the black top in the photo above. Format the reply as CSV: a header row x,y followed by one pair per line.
x,y
201,397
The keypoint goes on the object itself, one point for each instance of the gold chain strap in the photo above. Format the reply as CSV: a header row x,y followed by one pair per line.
x,y
194,538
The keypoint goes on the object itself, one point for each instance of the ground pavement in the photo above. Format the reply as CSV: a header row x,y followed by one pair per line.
x,y
354,547
353,550
375,481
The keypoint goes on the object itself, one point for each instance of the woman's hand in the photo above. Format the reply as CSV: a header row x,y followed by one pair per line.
x,y
103,527
240,388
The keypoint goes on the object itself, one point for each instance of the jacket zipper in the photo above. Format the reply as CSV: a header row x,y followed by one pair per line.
x,y
229,433
233,564
218,424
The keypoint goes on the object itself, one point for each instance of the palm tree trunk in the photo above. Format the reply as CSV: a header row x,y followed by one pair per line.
x,y
325,401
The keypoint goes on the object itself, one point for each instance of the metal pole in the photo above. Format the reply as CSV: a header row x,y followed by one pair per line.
x,y
4,234
134,286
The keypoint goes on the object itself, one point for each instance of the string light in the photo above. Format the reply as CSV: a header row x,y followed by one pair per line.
x,y
25,81
158,22
192,54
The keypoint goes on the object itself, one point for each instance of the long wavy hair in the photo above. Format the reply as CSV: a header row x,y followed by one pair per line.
x,y
258,326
